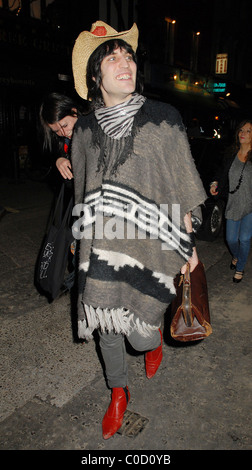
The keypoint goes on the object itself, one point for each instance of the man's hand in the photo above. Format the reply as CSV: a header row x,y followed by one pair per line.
x,y
193,261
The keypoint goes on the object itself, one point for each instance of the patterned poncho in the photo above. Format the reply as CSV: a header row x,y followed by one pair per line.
x,y
131,196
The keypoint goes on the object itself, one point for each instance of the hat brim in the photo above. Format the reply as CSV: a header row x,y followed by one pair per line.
x,y
85,45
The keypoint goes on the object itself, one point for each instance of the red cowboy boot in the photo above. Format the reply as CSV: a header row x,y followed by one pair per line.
x,y
153,360
113,417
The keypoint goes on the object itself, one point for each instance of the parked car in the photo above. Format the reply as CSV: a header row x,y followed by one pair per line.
x,y
208,154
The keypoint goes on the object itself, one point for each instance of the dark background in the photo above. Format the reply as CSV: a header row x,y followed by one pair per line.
x,y
35,58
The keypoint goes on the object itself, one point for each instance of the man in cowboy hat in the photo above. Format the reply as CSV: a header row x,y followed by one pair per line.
x,y
131,158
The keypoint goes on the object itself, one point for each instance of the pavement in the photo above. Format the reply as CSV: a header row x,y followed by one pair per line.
x,y
53,391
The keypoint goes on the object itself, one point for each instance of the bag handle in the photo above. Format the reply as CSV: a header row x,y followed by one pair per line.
x,y
68,213
59,217
186,298
55,208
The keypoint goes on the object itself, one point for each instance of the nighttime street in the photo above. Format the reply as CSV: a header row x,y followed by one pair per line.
x,y
189,76
53,392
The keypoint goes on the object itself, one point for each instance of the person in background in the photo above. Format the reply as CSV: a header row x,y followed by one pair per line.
x,y
58,116
130,159
236,178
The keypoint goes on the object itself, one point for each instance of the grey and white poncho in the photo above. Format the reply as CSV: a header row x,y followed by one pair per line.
x,y
131,196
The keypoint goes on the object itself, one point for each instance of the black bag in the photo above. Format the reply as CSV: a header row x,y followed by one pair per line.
x,y
53,257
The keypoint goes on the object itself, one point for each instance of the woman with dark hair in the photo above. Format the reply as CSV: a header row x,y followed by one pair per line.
x,y
58,116
131,158
238,174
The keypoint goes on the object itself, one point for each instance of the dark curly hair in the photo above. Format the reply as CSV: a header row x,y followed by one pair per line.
x,y
94,69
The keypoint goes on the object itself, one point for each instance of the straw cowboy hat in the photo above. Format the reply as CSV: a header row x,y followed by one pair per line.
x,y
88,41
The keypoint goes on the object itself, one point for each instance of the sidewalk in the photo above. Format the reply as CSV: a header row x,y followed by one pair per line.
x,y
25,209
53,389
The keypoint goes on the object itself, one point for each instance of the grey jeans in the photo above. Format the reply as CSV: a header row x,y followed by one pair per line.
x,y
114,353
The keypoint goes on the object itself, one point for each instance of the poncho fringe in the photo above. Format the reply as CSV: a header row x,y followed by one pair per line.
x,y
118,320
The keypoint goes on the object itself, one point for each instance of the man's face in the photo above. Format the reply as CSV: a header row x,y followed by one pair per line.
x,y
118,72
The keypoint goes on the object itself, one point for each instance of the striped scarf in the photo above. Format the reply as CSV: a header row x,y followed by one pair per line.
x,y
116,121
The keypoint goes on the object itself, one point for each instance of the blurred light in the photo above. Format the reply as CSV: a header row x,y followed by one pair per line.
x,y
63,77
198,33
228,94
169,20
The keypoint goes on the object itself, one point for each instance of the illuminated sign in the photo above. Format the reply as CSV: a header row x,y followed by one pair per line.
x,y
219,87
221,63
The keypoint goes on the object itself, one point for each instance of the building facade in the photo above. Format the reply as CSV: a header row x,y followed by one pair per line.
x,y
193,54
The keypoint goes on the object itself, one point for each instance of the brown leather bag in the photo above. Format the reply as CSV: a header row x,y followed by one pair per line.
x,y
190,309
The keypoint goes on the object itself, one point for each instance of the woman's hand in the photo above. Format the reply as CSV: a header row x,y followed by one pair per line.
x,y
64,166
213,188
